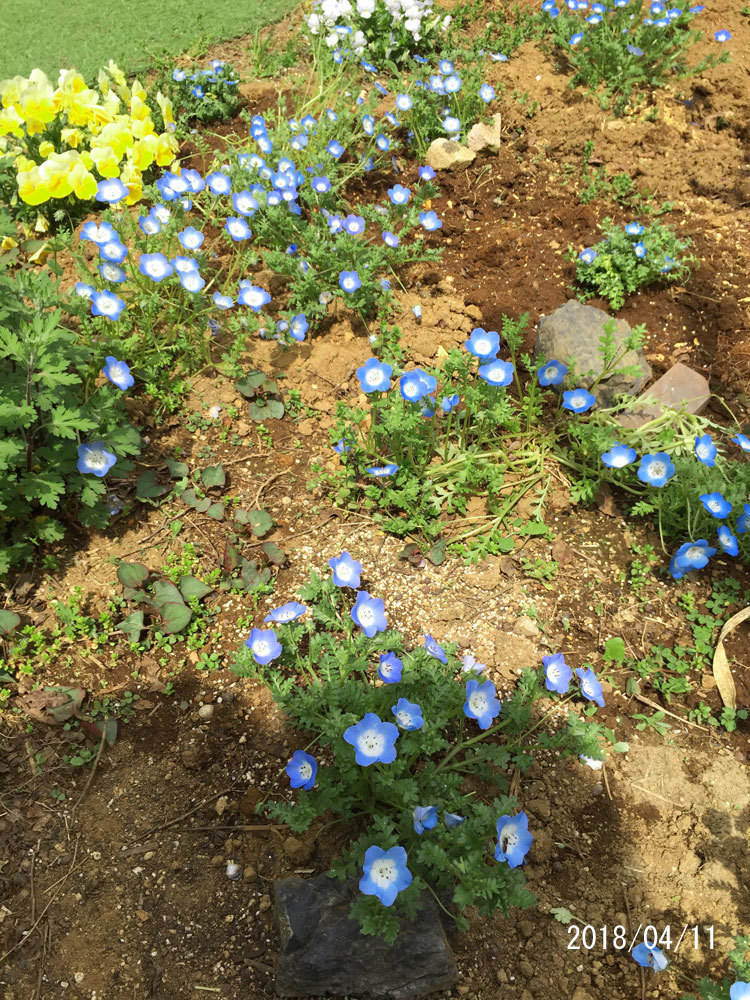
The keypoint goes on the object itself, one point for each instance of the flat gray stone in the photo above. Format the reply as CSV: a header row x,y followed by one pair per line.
x,y
323,953
571,334
678,387
486,136
446,154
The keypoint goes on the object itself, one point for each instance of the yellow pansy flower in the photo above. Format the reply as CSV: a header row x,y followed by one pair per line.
x,y
116,73
83,181
72,137
165,106
11,123
166,149
107,163
70,81
143,153
131,178
46,148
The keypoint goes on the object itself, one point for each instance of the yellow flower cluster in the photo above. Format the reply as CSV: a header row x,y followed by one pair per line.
x,y
66,138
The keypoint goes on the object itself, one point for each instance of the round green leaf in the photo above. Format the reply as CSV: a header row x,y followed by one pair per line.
x,y
132,574
174,617
9,620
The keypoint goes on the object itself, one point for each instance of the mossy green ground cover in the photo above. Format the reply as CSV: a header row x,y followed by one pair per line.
x,y
86,34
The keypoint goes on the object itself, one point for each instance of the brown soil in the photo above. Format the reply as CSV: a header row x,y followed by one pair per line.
x,y
120,891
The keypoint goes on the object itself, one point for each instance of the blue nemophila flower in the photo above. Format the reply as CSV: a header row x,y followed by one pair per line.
x,y
481,702
286,613
452,84
578,400
346,571
245,203
552,373
302,769
353,224
656,470
320,184
335,148
728,541
639,249
111,190
452,125
375,376
392,120
390,239
385,874
588,256
483,344
576,38
390,668
634,229
194,180
497,372
513,839
403,102
722,36
705,450
426,173
425,818
408,715
183,265
416,384
650,957
349,281
557,673
470,664
192,281
264,645
743,441
693,555
112,272
190,238
118,373
298,327
590,686
84,290
487,93
716,504
369,613
738,990
149,224
368,124
634,50
453,819
373,740
381,471
198,91
106,304
618,456
178,75
94,459
430,221
592,762
222,301
218,183
398,194
668,265
114,251
238,229
342,447
253,296
449,403
100,233
383,143
593,19
435,649
162,213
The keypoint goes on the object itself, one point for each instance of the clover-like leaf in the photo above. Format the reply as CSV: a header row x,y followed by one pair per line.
x,y
260,522
177,470
147,487
174,617
132,626
253,576
9,620
250,383
273,553
266,409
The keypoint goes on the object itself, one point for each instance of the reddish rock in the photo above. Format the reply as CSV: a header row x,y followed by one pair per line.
x,y
677,387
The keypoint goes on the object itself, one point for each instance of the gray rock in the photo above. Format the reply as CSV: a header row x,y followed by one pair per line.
x,y
486,136
571,334
445,154
323,953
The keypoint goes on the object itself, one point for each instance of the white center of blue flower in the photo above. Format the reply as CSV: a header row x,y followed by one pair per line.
x,y
478,702
714,506
348,283
261,647
96,459
344,571
588,688
284,616
508,839
191,281
383,872
656,470
578,400
373,377
155,268
619,459
482,345
553,672
372,743
703,451
305,771
411,388
366,615
403,718
552,373
106,304
694,553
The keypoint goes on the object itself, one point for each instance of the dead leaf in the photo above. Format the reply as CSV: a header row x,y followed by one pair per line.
x,y
507,566
562,552
221,805
722,673
605,501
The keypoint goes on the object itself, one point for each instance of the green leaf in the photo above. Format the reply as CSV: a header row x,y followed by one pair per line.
x,y
165,592
266,409
213,475
620,747
561,914
614,650
252,381
132,574
174,617
9,620
46,487
260,522
191,499
253,576
505,544
216,511
177,470
191,586
436,555
132,626
533,529
273,553
147,486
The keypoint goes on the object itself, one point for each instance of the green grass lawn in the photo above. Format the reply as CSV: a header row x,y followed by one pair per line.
x,y
54,34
